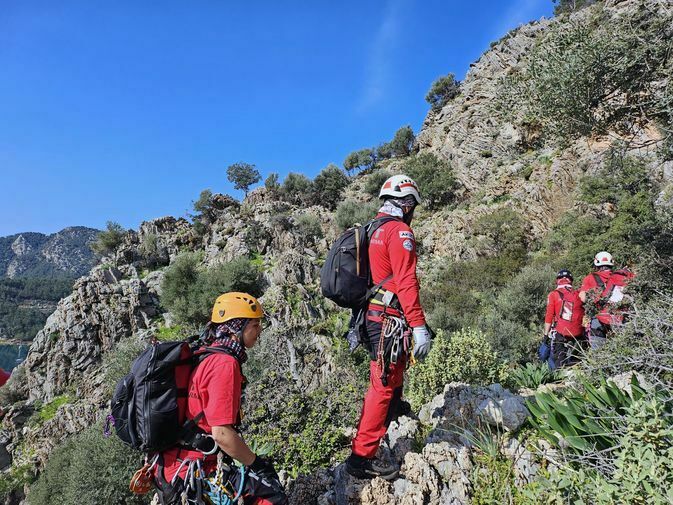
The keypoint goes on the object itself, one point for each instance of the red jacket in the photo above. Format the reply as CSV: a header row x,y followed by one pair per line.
x,y
613,280
214,389
565,311
392,251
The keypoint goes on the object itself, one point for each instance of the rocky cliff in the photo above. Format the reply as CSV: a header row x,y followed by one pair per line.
x,y
119,302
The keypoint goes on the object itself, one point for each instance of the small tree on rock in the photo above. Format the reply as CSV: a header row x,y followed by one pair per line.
x,y
364,158
442,91
243,175
328,186
108,240
403,142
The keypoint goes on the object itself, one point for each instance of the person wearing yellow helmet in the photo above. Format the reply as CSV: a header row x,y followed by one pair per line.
x,y
214,402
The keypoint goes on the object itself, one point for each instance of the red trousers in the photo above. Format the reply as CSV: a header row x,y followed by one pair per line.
x,y
381,403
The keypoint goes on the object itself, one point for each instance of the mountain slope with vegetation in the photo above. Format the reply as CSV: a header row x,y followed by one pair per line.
x,y
514,192
36,271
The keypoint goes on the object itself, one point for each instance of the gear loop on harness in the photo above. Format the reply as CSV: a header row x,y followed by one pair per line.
x,y
392,328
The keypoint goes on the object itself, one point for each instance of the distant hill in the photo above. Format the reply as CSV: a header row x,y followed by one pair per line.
x,y
36,271
37,255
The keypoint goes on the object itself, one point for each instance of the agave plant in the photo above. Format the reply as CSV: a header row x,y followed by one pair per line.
x,y
585,420
533,375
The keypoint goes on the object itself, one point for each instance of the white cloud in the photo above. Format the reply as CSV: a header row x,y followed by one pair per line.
x,y
378,71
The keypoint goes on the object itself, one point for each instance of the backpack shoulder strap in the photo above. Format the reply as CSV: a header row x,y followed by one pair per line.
x,y
560,293
598,280
376,223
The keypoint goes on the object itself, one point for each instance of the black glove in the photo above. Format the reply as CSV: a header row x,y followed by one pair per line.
x,y
264,468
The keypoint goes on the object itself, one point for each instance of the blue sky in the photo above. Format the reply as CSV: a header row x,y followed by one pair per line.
x,y
126,110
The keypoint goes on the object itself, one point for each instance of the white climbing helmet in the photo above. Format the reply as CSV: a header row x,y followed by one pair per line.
x,y
602,259
399,186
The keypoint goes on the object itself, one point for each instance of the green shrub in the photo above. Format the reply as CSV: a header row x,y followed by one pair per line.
x,y
88,469
117,362
309,228
109,240
374,182
328,186
351,212
257,237
304,430
434,178
272,184
459,294
466,356
640,473
565,6
492,480
442,91
296,188
594,74
403,142
512,318
13,481
189,289
587,420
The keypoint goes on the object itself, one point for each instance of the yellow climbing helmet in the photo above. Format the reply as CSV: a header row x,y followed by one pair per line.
x,y
234,305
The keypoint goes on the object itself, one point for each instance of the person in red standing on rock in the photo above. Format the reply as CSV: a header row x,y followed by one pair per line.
x,y
394,315
604,289
563,322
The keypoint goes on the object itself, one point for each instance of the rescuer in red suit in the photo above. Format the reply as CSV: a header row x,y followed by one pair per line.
x,y
394,316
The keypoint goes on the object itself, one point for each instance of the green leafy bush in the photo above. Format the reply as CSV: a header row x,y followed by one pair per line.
x,y
460,293
585,420
350,212
88,469
465,356
189,289
434,177
310,228
296,188
374,182
272,184
595,74
13,481
403,142
304,431
108,240
640,472
442,91
117,363
328,186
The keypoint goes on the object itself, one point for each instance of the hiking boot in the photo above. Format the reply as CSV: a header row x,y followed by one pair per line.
x,y
363,468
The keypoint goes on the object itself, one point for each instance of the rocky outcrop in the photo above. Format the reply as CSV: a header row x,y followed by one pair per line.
x,y
440,469
106,306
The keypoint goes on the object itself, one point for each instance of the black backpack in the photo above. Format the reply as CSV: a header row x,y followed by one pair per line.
x,y
149,404
345,277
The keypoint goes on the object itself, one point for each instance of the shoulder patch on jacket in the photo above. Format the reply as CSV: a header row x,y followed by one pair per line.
x,y
408,245
406,235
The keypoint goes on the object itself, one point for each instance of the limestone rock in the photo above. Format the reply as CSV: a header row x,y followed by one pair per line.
x,y
465,405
